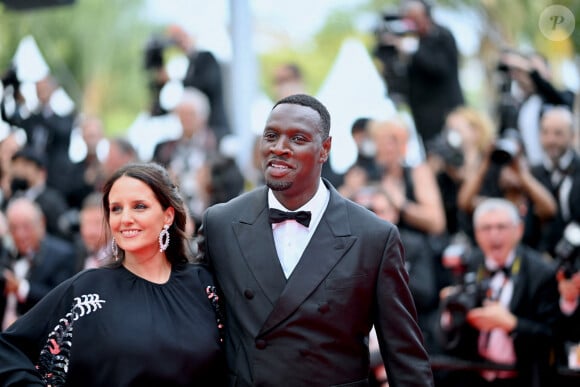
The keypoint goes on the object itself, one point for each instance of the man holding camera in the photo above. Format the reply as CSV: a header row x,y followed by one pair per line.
x,y
203,73
505,172
532,75
559,173
513,326
432,69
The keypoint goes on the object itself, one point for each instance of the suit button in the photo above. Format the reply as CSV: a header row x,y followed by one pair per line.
x,y
249,294
324,308
261,344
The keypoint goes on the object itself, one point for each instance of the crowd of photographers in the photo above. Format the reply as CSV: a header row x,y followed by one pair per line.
x,y
507,189
490,219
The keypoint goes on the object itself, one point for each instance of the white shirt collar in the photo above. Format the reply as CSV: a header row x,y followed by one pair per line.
x,y
563,162
492,265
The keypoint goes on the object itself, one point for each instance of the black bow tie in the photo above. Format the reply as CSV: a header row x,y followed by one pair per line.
x,y
302,217
506,271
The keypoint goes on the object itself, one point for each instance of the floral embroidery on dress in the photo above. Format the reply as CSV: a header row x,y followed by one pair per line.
x,y
214,298
55,355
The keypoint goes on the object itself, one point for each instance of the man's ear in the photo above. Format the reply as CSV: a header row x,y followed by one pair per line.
x,y
326,145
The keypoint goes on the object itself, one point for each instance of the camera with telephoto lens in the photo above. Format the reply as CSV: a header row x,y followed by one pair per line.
x,y
468,293
394,24
154,49
567,251
447,145
507,147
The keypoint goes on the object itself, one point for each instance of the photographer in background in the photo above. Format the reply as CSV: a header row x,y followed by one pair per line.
x,y
569,325
526,90
203,73
455,154
48,126
431,64
505,173
513,326
559,173
29,179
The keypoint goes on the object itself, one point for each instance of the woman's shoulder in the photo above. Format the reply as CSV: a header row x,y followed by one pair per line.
x,y
197,269
89,278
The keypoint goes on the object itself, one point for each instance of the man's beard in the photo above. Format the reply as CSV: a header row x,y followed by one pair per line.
x,y
279,185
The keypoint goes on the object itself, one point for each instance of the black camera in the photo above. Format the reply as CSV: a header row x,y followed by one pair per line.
x,y
154,49
447,145
468,293
393,24
10,79
567,250
506,147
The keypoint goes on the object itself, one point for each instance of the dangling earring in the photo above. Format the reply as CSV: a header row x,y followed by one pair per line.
x,y
164,239
115,249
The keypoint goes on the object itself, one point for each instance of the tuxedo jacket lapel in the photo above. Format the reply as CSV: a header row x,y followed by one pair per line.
x,y
330,242
518,277
254,234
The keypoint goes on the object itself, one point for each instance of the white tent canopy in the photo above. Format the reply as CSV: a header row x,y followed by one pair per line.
x,y
352,89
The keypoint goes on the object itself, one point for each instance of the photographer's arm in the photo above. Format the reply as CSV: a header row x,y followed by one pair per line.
x,y
545,206
467,197
549,93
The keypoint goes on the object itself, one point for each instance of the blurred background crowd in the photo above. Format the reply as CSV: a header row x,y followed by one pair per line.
x,y
423,130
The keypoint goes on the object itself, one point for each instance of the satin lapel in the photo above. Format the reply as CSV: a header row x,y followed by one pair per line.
x,y
518,277
331,240
254,234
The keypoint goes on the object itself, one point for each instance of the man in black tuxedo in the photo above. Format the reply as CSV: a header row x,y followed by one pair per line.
x,y
29,179
301,295
42,261
204,73
559,172
513,327
434,88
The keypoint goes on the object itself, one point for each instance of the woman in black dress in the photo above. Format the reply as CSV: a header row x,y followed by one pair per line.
x,y
150,318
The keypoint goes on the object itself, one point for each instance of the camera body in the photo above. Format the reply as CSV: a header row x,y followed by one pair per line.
x,y
470,289
454,308
567,251
394,24
447,145
507,147
153,54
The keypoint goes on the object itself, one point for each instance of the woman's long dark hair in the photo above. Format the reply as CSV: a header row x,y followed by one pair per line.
x,y
167,193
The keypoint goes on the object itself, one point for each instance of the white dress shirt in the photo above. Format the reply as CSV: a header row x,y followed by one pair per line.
x,y
290,237
497,345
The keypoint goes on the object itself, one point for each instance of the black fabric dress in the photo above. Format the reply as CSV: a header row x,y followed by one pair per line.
x,y
109,327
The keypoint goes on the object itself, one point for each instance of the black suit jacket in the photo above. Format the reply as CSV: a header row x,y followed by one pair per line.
x,y
52,264
311,330
545,236
434,88
204,73
535,304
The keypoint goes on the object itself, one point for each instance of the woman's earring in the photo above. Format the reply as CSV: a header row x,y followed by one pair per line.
x,y
164,239
115,249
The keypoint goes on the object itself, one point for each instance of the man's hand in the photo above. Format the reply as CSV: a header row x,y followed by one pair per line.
x,y
569,288
492,315
11,282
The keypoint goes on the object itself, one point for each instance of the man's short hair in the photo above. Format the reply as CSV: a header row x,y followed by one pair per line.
x,y
359,125
313,103
31,155
192,96
493,204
